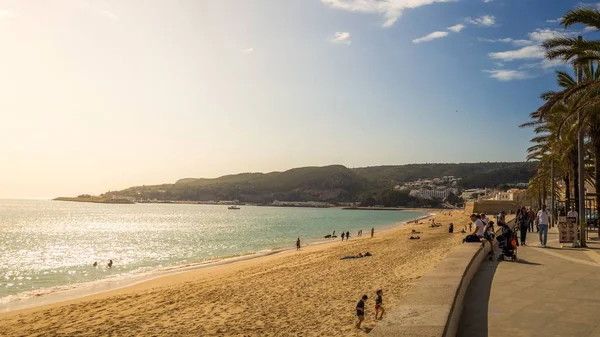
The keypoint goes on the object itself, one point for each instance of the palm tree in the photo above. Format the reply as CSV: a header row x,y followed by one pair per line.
x,y
584,96
554,139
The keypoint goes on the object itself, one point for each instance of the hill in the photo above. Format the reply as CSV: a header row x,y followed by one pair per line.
x,y
335,183
472,174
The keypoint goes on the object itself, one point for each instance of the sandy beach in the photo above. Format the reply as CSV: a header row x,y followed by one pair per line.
x,y
295,293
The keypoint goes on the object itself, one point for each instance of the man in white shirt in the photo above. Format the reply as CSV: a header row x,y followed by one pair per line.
x,y
542,222
478,225
573,213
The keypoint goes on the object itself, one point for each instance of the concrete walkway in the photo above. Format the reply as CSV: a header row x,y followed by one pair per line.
x,y
548,292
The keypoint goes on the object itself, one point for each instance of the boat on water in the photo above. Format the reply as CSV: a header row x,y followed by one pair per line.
x,y
233,207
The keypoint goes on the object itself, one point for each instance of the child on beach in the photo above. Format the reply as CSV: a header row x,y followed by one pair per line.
x,y
379,304
360,310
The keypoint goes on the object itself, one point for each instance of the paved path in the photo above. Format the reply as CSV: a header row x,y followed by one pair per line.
x,y
548,292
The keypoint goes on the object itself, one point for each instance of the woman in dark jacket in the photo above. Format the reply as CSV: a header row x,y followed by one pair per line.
x,y
523,222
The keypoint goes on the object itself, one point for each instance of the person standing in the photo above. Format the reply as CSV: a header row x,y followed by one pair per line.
x,y
343,235
542,224
530,218
372,231
523,221
379,305
298,244
360,310
347,236
573,213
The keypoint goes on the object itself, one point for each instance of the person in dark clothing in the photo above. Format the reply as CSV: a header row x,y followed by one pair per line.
x,y
523,221
343,236
379,304
372,231
298,244
347,236
360,310
530,218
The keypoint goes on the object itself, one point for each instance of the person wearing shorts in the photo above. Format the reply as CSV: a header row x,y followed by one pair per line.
x,y
379,304
360,310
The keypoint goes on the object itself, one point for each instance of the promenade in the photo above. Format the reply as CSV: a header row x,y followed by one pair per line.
x,y
548,292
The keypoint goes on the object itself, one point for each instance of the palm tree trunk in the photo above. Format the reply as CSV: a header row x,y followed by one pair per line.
x,y
595,140
574,161
567,191
544,194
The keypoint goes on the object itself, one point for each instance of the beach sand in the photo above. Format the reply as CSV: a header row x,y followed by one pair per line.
x,y
295,293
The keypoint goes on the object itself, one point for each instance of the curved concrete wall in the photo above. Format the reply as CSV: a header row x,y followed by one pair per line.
x,y
433,306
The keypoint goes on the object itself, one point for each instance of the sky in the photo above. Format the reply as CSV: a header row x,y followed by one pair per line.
x,y
103,95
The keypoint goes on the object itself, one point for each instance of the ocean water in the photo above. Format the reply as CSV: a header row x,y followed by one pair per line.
x,y
47,246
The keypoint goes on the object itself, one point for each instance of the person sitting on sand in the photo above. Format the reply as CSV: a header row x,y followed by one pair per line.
x,y
379,304
414,237
343,235
110,263
360,310
95,264
298,244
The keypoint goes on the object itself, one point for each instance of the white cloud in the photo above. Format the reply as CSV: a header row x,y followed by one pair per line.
x,y
457,28
486,20
341,38
514,42
507,75
529,52
590,29
430,37
532,51
487,1
540,35
554,20
108,14
391,10
248,50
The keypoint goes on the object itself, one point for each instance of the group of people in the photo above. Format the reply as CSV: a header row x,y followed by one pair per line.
x,y
527,218
359,234
109,264
360,308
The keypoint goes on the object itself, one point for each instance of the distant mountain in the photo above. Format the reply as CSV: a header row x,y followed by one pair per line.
x,y
472,174
335,183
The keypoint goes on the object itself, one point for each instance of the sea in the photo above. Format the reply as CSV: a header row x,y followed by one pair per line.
x,y
50,246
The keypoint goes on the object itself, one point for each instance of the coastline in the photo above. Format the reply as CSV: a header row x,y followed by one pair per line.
x,y
68,293
258,296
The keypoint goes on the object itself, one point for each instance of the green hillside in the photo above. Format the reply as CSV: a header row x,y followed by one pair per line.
x,y
335,183
472,174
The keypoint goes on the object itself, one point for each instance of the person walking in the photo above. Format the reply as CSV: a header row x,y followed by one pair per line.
x,y
542,224
360,310
347,236
523,221
343,236
530,218
379,305
298,244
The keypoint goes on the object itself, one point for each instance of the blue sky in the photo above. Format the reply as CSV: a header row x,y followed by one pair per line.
x,y
103,95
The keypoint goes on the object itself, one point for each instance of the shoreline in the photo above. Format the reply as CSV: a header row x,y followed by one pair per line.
x,y
104,287
267,296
